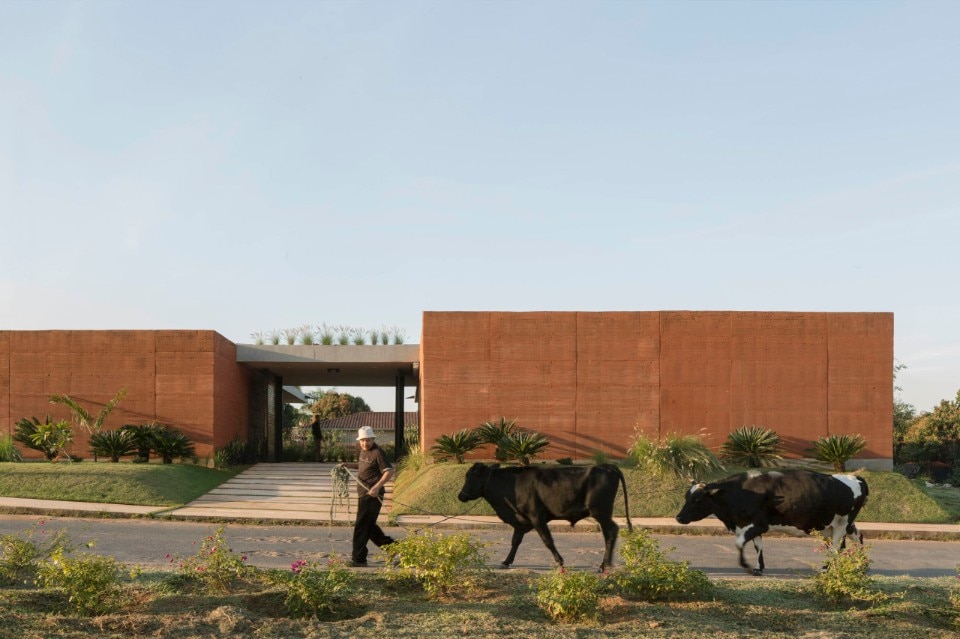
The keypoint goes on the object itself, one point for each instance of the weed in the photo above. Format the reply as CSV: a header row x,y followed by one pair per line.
x,y
313,591
648,574
22,555
845,578
570,597
441,564
91,582
215,567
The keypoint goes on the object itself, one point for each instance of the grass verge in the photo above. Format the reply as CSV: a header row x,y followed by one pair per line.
x,y
507,607
122,483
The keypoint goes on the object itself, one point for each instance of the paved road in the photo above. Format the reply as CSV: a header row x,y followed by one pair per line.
x,y
148,542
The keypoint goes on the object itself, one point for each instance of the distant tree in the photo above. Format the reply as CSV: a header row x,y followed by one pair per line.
x,y
330,404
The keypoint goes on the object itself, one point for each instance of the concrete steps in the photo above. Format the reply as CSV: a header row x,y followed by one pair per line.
x,y
292,491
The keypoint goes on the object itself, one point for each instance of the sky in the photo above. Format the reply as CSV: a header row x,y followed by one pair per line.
x,y
250,166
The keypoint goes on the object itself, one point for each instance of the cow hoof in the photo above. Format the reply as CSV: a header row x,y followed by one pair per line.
x,y
504,566
757,572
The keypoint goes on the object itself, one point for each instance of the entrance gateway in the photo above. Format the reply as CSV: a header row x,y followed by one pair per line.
x,y
338,366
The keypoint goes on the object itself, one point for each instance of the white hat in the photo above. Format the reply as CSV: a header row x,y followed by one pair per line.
x,y
365,433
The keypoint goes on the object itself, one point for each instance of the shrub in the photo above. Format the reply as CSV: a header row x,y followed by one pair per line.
x,y
143,437
215,567
311,590
21,555
494,433
570,597
523,445
456,445
91,582
170,443
8,452
683,456
50,438
236,452
838,449
648,574
753,447
844,577
441,564
113,444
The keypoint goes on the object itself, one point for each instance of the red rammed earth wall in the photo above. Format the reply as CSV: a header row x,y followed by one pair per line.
x,y
590,381
189,380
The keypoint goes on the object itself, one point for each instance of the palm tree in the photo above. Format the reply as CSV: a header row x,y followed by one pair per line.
x,y
456,445
82,417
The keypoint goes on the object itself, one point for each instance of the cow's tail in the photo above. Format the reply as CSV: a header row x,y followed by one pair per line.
x,y
626,500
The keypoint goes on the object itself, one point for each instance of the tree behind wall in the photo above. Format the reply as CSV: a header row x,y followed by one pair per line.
x,y
330,404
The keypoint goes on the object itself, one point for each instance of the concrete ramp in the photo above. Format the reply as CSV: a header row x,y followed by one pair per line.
x,y
290,491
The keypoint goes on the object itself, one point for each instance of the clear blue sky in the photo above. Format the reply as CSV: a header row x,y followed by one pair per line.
x,y
246,166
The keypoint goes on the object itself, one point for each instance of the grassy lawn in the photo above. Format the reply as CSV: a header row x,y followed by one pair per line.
x,y
505,607
121,483
893,497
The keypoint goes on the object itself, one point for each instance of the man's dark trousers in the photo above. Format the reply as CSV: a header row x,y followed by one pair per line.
x,y
366,529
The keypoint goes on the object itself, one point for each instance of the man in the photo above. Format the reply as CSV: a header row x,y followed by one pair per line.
x,y
373,471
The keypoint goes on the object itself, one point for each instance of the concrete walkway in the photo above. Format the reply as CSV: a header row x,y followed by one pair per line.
x,y
304,492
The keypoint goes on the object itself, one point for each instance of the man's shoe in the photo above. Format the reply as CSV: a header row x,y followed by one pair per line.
x,y
358,564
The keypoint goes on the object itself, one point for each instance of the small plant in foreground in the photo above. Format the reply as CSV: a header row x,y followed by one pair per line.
x,y
845,578
570,597
753,447
441,564
21,555
314,591
215,567
91,582
8,451
648,574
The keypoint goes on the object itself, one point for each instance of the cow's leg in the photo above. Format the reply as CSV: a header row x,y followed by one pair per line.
x,y
518,532
544,531
610,530
750,533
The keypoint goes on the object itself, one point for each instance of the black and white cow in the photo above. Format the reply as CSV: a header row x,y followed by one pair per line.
x,y
528,497
789,501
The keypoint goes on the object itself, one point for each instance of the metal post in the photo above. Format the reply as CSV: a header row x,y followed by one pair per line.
x,y
399,415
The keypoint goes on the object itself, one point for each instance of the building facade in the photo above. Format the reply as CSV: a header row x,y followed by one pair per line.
x,y
589,381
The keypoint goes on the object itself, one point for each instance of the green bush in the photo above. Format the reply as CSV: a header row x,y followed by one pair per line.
x,y
838,449
170,444
310,590
752,447
494,433
143,437
21,555
523,445
113,444
50,438
677,455
8,451
570,597
844,577
441,564
215,567
91,582
648,574
456,445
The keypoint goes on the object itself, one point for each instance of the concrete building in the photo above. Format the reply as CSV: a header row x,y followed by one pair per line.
x,y
589,381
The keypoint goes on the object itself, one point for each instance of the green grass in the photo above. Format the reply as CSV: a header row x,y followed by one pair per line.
x,y
761,607
122,483
893,497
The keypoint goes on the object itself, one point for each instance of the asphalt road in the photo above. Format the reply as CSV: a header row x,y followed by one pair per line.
x,y
152,543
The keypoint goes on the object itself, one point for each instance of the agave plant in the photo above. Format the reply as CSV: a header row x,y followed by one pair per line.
x,y
113,444
495,433
683,456
170,443
456,445
838,449
752,446
523,445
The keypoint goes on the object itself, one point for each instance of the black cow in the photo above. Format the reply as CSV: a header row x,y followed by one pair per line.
x,y
790,501
527,497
